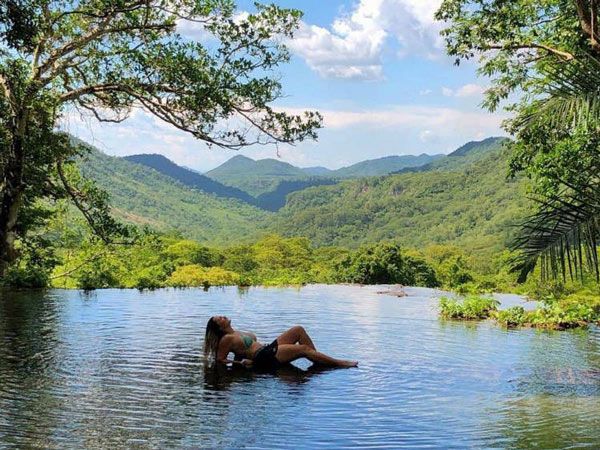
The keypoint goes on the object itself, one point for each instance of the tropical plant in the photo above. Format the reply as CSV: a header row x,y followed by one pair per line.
x,y
559,147
548,51
472,307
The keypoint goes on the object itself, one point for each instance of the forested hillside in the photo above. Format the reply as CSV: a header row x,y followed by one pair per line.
x,y
384,166
255,177
144,196
265,175
463,199
472,206
190,178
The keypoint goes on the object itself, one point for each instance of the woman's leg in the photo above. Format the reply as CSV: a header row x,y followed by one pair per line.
x,y
287,353
296,335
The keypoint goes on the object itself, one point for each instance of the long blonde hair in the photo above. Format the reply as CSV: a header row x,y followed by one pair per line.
x,y
212,337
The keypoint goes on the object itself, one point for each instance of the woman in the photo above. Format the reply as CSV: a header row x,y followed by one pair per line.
x,y
221,339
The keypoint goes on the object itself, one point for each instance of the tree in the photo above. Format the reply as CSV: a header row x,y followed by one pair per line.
x,y
548,51
107,57
517,40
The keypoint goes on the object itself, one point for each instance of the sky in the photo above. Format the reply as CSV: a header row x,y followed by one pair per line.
x,y
375,69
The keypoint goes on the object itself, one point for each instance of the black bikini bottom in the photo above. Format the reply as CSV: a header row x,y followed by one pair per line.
x,y
264,358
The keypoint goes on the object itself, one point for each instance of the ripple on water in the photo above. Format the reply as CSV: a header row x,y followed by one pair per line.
x,y
120,368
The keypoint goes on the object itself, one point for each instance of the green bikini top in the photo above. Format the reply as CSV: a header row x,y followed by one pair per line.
x,y
247,340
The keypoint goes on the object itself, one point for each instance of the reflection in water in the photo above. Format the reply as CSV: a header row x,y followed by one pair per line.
x,y
29,354
120,368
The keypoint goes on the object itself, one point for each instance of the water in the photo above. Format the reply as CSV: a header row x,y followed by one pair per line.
x,y
120,368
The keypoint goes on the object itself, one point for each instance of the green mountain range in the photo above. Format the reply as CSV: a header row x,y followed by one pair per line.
x,y
463,198
255,177
189,177
262,176
471,205
144,196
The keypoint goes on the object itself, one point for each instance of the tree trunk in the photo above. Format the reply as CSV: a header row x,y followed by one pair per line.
x,y
11,198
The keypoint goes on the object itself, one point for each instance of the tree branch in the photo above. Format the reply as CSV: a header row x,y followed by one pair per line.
x,y
587,20
6,88
563,54
75,197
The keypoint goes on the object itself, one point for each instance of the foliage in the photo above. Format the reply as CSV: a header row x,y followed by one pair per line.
x,y
549,51
107,58
571,312
559,149
471,206
195,276
191,252
518,40
385,263
512,317
472,307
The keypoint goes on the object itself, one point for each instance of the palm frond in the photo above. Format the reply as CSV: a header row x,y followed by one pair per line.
x,y
572,96
563,236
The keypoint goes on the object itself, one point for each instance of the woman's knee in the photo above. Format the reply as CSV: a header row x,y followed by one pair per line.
x,y
304,349
299,329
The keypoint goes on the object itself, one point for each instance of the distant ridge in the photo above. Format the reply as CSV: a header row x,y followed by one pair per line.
x,y
477,146
264,175
254,177
384,166
464,155
317,171
189,177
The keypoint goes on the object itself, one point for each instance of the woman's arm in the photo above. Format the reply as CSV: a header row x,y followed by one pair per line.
x,y
224,350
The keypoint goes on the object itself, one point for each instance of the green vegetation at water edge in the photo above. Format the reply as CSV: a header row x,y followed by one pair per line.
x,y
162,261
472,307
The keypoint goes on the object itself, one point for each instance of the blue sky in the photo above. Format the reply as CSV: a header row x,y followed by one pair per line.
x,y
375,69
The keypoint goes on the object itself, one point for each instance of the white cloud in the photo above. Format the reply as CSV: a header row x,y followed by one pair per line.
x,y
354,45
468,90
351,49
425,92
414,117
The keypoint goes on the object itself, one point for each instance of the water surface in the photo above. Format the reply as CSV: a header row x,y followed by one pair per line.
x,y
120,368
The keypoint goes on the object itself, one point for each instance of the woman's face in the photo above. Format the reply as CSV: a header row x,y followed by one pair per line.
x,y
223,321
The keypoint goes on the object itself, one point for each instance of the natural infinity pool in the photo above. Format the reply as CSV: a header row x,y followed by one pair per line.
x,y
120,368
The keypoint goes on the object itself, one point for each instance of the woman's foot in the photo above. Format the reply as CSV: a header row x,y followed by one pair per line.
x,y
349,364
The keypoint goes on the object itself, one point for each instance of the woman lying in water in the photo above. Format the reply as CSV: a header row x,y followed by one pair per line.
x,y
221,339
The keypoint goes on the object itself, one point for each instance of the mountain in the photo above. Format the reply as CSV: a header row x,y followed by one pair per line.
x,y
189,177
262,176
384,166
142,195
478,147
472,206
254,177
317,171
276,199
465,155
464,199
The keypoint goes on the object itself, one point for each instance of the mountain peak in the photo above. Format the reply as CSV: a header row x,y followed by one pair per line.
x,y
479,146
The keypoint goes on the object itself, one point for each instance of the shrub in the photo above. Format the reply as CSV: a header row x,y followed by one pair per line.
x,y
385,263
195,276
470,308
512,317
